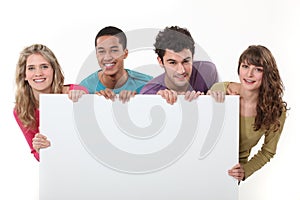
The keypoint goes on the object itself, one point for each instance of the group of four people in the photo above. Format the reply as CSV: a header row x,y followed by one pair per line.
x,y
262,109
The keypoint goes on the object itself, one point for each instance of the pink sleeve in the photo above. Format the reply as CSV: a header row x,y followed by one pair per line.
x,y
28,134
78,87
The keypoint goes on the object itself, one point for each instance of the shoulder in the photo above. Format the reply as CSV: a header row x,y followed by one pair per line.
x,y
206,69
78,87
91,77
154,85
90,82
138,75
220,86
204,65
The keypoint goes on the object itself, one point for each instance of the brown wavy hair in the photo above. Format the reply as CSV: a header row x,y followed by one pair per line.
x,y
270,105
26,104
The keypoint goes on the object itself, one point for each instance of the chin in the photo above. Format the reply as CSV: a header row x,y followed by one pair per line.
x,y
109,72
181,84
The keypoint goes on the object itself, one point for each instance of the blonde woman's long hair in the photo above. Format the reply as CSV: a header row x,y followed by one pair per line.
x,y
26,104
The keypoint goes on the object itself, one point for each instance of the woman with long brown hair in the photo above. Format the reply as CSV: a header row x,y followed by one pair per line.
x,y
262,109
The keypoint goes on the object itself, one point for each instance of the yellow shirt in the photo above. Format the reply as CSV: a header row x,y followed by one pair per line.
x,y
249,138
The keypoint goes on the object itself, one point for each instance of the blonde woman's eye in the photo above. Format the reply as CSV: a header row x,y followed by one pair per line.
x,y
45,66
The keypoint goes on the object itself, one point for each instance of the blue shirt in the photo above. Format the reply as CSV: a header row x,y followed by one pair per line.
x,y
135,82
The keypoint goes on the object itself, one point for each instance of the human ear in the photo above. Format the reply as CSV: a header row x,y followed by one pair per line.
x,y
125,53
160,62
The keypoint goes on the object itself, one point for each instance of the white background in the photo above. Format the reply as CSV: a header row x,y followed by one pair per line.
x,y
222,28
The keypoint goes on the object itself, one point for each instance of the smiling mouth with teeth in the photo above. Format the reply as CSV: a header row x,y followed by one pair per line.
x,y
109,66
39,80
248,81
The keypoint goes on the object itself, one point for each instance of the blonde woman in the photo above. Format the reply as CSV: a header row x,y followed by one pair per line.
x,y
38,72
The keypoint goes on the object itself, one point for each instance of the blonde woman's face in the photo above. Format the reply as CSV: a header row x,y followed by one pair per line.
x,y
39,74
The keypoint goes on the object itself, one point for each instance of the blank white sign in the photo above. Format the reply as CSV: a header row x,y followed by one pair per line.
x,y
145,149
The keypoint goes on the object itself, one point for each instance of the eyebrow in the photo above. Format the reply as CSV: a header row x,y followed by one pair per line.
x,y
39,64
246,63
170,60
109,47
185,59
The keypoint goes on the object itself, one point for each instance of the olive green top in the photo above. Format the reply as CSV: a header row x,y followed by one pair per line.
x,y
249,138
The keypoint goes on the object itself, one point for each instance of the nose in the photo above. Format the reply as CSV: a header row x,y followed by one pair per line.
x,y
250,72
180,68
38,72
107,56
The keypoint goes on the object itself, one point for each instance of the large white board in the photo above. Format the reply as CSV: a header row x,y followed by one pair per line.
x,y
145,149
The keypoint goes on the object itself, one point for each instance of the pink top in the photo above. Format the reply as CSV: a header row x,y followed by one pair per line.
x,y
78,87
30,133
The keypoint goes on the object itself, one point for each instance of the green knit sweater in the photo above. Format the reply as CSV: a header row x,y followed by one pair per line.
x,y
248,138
